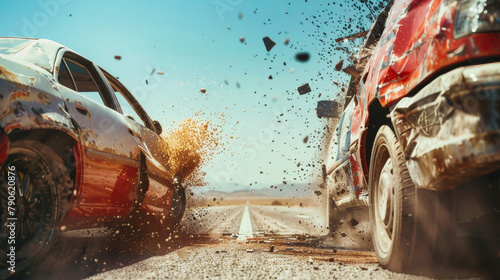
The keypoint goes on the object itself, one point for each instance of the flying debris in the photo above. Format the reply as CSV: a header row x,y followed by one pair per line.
x,y
302,56
304,89
269,43
339,65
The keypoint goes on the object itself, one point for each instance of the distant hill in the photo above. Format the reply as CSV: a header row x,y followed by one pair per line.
x,y
295,190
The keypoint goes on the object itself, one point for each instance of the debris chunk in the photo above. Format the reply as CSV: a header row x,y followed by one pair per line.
x,y
302,56
271,249
339,65
353,222
304,89
310,260
331,259
242,39
118,57
351,70
305,139
203,90
249,250
160,73
287,41
270,77
269,43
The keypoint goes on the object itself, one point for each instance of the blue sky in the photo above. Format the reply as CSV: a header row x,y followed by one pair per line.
x,y
197,45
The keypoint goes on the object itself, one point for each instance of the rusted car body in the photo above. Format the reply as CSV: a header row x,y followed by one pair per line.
x,y
429,71
117,166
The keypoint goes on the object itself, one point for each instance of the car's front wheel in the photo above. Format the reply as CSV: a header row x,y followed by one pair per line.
x,y
178,203
32,180
411,229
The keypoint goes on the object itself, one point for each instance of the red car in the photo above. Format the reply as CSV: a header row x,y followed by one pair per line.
x,y
418,133
77,151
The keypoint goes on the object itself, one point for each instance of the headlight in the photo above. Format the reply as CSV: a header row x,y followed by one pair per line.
x,y
476,16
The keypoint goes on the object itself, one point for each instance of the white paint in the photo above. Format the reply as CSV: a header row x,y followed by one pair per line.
x,y
245,231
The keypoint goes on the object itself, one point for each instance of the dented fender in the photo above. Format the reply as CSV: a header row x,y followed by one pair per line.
x,y
450,130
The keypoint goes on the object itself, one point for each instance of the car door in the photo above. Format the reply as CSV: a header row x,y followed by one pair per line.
x,y
154,148
338,161
110,156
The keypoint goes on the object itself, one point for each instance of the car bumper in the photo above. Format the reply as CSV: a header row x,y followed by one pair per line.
x,y
450,130
4,147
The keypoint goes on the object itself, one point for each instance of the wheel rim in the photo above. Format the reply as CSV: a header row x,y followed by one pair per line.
x,y
34,208
384,203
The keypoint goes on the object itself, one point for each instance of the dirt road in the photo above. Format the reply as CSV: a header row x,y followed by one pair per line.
x,y
226,242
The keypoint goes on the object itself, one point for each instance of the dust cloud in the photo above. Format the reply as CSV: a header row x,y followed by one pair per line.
x,y
191,145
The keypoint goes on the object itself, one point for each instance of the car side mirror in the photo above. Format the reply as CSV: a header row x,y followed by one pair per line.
x,y
329,109
158,128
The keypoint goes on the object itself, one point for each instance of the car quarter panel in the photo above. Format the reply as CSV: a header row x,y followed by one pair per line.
x,y
29,99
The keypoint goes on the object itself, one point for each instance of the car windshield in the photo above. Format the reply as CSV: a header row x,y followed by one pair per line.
x,y
12,45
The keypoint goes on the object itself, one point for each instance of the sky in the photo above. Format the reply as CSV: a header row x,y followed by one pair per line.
x,y
270,133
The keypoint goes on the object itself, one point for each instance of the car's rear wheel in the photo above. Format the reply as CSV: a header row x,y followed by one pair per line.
x,y
32,180
407,232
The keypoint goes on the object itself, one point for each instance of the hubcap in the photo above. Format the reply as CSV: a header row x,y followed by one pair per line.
x,y
384,205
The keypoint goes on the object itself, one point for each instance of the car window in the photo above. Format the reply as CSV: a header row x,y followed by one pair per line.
x,y
64,77
127,109
77,77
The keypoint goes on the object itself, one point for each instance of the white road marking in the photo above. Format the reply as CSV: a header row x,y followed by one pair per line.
x,y
245,226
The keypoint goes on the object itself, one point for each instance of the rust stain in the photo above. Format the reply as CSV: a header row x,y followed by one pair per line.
x,y
8,75
18,95
44,98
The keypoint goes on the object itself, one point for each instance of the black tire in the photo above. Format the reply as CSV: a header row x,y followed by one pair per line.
x,y
163,226
178,203
411,229
42,189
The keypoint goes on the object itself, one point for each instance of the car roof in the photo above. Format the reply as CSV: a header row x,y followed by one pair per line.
x,y
41,52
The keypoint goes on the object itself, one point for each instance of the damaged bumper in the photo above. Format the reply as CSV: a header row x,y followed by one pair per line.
x,y
4,147
450,130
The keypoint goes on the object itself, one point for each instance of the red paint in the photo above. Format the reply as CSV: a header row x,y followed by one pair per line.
x,y
103,188
4,147
421,46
